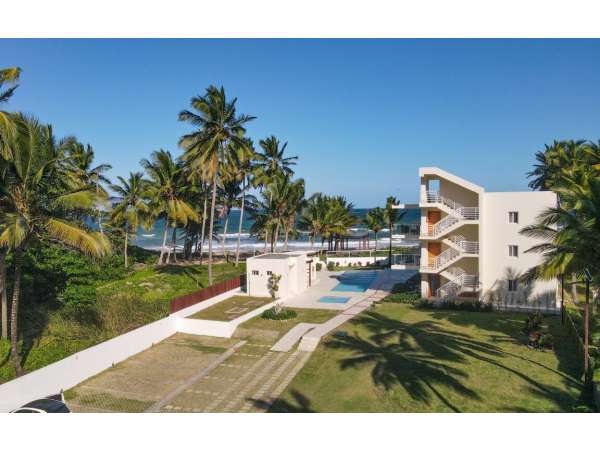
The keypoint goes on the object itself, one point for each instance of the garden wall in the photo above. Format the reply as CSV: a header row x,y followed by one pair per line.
x,y
74,369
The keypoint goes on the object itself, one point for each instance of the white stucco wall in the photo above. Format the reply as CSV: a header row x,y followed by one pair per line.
x,y
496,266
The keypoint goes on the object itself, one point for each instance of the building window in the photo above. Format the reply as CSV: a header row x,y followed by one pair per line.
x,y
513,217
269,272
513,250
255,272
512,285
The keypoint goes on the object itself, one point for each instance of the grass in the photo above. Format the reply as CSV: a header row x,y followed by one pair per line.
x,y
232,308
398,358
282,326
140,297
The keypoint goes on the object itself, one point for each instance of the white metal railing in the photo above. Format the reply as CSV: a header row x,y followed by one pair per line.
x,y
470,247
443,258
460,284
406,259
468,212
435,197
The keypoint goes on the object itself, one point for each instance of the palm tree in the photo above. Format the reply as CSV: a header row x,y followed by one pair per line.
x,y
9,76
375,221
295,203
312,217
80,159
571,240
271,162
37,197
132,210
205,148
392,216
166,191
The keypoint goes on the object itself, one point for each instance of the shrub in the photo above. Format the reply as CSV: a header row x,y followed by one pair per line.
x,y
318,266
546,340
533,323
459,305
403,297
330,266
279,313
359,264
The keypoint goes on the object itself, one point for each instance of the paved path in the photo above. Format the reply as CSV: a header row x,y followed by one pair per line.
x,y
287,342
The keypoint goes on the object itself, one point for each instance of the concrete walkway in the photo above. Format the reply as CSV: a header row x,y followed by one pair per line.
x,y
287,342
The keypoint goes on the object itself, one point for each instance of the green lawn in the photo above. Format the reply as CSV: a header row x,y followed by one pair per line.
x,y
282,326
48,334
232,308
398,358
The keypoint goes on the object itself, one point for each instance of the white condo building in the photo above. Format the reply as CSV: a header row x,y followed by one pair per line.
x,y
471,245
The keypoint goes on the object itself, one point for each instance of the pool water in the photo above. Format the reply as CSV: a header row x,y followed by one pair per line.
x,y
355,280
331,299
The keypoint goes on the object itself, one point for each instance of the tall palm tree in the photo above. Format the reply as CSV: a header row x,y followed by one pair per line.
x,y
312,217
37,197
375,221
392,216
80,159
7,127
218,126
166,192
132,210
295,203
271,161
9,76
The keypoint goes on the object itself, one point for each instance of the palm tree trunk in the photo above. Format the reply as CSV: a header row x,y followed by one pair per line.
x,y
210,228
390,251
125,249
225,226
164,243
203,225
275,239
574,288
174,243
4,310
287,233
14,311
239,238
376,241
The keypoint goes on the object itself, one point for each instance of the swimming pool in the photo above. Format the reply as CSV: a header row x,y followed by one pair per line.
x,y
355,280
331,299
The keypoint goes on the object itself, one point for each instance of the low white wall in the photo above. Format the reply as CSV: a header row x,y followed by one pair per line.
x,y
74,369
68,372
346,260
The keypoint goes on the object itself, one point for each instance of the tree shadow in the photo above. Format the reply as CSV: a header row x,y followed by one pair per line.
x,y
421,356
301,404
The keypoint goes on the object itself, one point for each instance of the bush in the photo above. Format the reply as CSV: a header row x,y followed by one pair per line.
x,y
279,314
533,323
403,297
330,266
546,340
458,305
318,267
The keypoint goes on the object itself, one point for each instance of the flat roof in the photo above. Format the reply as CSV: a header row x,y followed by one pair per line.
x,y
276,255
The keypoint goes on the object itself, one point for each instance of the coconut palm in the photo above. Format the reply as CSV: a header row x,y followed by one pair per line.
x,y
132,210
80,160
312,217
375,221
294,204
37,198
218,127
392,216
271,161
165,190
9,76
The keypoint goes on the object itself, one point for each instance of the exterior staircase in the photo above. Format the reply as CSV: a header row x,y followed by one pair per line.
x,y
456,215
458,247
462,282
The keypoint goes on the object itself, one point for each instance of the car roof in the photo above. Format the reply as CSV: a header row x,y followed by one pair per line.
x,y
48,405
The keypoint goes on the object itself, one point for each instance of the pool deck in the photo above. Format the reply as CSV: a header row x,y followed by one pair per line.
x,y
328,280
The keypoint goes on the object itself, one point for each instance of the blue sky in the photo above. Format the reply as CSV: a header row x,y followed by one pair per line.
x,y
362,115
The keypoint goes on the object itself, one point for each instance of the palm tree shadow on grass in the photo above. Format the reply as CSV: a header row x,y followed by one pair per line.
x,y
301,404
422,356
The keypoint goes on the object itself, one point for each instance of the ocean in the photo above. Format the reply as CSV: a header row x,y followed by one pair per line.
x,y
152,238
